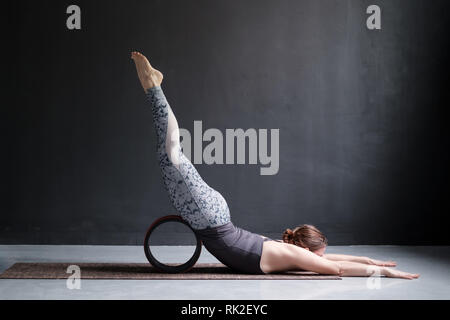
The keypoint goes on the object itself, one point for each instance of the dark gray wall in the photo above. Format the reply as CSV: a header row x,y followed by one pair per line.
x,y
362,116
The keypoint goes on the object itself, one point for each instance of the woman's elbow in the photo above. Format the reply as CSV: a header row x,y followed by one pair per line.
x,y
331,268
336,268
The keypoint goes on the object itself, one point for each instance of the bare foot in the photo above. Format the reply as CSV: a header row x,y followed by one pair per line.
x,y
148,76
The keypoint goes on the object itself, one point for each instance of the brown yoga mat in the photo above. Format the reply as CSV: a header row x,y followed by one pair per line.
x,y
144,271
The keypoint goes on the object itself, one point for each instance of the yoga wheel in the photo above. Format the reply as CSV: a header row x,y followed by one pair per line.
x,y
170,267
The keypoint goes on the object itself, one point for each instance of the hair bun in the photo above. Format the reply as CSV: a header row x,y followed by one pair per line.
x,y
288,236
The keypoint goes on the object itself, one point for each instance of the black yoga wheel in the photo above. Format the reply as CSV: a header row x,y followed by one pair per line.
x,y
166,267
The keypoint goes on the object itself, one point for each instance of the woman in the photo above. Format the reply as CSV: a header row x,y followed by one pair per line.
x,y
208,214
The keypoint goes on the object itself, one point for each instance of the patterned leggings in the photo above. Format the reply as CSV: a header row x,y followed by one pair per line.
x,y
198,204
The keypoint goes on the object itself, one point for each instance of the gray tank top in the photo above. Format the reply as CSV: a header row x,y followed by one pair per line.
x,y
236,248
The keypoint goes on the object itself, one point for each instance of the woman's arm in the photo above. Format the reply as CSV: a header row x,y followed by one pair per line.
x,y
306,260
354,269
359,259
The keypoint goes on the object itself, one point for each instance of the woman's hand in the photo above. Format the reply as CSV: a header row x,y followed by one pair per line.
x,y
393,273
380,263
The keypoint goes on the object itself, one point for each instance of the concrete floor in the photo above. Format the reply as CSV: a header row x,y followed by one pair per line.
x,y
433,263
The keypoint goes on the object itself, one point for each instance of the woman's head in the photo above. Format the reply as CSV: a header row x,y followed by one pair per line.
x,y
307,237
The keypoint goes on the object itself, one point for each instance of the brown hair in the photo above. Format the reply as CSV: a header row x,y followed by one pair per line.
x,y
305,236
